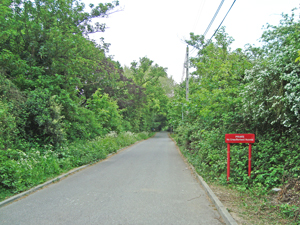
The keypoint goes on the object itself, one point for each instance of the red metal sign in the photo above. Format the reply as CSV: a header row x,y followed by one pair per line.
x,y
239,138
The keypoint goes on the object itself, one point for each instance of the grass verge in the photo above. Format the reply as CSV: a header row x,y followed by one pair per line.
x,y
20,171
253,204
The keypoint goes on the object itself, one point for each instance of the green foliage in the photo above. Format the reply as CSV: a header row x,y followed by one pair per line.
x,y
45,56
290,211
106,111
8,128
43,117
19,170
63,101
250,91
270,98
81,123
149,110
298,59
215,85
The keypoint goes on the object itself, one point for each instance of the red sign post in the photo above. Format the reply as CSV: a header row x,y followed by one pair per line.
x,y
238,138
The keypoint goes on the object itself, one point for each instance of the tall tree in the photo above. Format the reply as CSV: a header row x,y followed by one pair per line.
x,y
149,110
46,57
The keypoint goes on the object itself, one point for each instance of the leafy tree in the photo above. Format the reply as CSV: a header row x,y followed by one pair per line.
x,y
106,112
145,72
215,85
46,56
150,109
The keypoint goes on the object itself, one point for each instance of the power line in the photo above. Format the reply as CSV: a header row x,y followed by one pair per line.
x,y
213,19
199,13
222,21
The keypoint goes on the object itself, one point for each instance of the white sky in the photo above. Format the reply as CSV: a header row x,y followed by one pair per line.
x,y
157,28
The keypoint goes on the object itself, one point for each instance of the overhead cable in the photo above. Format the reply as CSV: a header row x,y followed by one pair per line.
x,y
222,21
213,19
199,13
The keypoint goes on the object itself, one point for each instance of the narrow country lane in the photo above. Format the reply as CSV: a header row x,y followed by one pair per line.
x,y
148,183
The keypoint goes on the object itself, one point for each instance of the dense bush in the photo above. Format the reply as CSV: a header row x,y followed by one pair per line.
x,y
43,118
250,91
63,100
8,128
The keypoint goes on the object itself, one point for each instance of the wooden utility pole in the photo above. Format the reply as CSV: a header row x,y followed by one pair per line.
x,y
187,73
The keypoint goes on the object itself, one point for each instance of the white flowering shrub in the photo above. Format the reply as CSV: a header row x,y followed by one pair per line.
x,y
112,134
128,133
271,97
22,170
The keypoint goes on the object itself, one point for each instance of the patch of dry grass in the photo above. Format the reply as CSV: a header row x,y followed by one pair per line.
x,y
247,208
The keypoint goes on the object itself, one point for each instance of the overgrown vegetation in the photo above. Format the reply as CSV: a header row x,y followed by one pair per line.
x,y
255,90
64,102
21,170
62,96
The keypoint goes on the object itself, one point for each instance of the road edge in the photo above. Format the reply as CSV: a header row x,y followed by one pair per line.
x,y
58,178
228,219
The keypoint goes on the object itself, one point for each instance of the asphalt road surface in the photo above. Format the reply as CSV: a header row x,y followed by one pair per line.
x,y
148,183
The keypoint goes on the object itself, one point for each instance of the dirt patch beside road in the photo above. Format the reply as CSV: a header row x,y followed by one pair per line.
x,y
246,209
